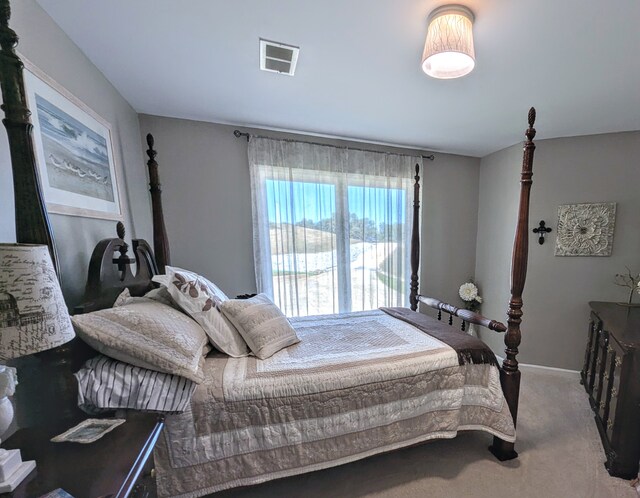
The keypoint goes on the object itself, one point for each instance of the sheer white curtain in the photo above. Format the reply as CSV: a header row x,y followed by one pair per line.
x,y
331,226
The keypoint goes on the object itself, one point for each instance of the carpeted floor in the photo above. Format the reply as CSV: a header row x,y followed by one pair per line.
x,y
560,456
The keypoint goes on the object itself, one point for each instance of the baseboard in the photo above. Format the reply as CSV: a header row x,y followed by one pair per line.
x,y
553,369
541,367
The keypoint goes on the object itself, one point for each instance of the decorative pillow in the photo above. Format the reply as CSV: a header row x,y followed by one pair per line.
x,y
261,323
146,334
160,295
200,299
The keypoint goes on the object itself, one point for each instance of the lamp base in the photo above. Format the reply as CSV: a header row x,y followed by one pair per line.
x,y
13,470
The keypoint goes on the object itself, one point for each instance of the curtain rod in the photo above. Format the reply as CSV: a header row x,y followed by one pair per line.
x,y
239,134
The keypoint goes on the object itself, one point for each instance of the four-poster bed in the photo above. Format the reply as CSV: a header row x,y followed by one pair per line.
x,y
110,273
175,469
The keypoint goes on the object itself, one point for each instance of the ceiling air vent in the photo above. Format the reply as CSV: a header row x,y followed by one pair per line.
x,y
278,57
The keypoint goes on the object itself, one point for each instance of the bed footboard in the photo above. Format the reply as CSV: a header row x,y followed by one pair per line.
x,y
509,372
467,316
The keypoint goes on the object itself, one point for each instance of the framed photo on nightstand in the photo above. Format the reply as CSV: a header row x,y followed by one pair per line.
x,y
89,430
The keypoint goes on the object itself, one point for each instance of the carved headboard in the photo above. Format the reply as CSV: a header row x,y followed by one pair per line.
x,y
110,271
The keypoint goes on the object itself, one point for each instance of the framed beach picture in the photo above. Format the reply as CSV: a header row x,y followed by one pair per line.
x,y
74,151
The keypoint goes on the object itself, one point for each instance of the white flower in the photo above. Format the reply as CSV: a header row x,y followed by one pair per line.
x,y
468,292
478,299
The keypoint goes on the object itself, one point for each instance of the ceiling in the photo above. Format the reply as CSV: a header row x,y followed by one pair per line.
x,y
359,75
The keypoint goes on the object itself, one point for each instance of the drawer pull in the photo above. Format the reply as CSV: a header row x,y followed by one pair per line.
x,y
618,361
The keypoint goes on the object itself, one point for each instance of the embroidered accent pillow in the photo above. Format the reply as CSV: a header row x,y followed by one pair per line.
x,y
147,334
263,326
200,299
160,295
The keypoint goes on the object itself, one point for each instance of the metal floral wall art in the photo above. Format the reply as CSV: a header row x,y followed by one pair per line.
x,y
585,229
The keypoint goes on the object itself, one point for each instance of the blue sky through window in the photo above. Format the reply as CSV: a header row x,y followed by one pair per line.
x,y
291,202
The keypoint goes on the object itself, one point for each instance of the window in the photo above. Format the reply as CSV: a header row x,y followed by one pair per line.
x,y
331,229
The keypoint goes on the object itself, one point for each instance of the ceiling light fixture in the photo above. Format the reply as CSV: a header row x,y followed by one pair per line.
x,y
448,50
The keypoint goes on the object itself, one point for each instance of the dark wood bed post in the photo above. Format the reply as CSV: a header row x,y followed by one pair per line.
x,y
415,242
510,374
160,240
32,220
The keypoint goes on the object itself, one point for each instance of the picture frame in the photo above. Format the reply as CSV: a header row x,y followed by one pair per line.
x,y
74,148
88,431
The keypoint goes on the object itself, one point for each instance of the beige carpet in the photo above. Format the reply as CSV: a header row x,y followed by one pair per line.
x,y
560,456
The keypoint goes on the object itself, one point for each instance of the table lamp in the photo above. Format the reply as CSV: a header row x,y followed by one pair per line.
x,y
33,318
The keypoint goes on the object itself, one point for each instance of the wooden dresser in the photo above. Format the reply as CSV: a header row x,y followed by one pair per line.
x,y
611,377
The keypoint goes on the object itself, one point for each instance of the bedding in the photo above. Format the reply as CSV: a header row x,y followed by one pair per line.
x,y
160,295
105,384
261,324
468,348
146,334
200,299
355,385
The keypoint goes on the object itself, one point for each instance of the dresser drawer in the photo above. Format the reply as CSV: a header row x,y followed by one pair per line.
x,y
588,368
610,386
616,359
600,364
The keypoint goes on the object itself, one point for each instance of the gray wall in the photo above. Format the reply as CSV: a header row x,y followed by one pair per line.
x,y
205,175
566,170
49,48
207,201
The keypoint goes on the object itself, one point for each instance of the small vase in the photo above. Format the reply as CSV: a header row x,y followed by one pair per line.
x,y
630,303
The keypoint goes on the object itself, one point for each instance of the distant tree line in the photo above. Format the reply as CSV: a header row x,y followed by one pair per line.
x,y
364,229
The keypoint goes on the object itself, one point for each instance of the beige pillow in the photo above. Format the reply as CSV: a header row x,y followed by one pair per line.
x,y
261,323
160,295
148,335
200,299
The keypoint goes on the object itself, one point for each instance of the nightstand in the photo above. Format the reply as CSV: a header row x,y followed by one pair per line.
x,y
111,466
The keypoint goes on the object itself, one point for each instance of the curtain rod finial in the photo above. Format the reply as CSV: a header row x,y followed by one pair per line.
x,y
238,134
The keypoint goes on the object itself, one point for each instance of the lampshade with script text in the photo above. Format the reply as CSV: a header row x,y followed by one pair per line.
x,y
33,314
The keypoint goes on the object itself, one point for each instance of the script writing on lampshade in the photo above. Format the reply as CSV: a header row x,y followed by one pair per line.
x,y
448,49
33,314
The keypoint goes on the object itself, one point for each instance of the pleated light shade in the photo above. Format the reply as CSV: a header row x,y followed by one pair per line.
x,y
448,50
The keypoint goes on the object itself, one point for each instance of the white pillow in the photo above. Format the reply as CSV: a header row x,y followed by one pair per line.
x,y
160,295
146,334
200,299
261,323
